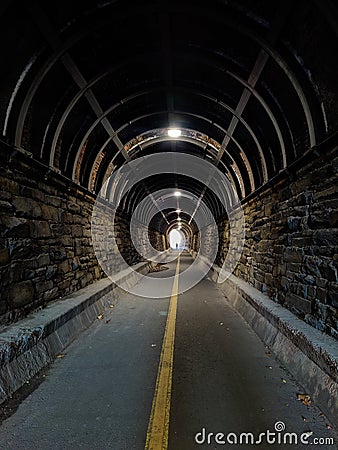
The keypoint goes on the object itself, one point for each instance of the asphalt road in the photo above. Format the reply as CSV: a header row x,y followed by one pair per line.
x,y
99,394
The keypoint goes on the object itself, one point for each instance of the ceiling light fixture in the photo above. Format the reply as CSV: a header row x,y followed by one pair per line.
x,y
174,132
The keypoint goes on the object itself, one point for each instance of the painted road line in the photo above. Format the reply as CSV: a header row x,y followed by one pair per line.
x,y
158,428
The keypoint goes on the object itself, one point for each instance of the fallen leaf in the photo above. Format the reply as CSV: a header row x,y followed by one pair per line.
x,y
100,317
111,306
60,355
268,367
283,381
221,323
328,427
153,345
305,399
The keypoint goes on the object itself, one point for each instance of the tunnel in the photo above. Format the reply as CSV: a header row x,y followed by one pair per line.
x,y
168,227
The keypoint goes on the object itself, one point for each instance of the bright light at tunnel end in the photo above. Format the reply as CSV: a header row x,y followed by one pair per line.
x,y
106,235
174,132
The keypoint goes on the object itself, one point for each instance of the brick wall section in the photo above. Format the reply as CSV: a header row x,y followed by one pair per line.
x,y
45,236
291,247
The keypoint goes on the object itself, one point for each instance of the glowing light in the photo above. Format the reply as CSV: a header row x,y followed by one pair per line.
x,y
174,132
175,239
178,211
177,194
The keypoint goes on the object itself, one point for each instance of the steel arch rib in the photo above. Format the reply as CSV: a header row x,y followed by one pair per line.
x,y
66,46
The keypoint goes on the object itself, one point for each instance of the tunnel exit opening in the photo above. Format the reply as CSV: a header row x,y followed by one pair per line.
x,y
177,240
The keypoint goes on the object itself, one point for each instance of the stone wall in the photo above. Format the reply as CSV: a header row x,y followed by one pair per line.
x,y
46,247
120,242
291,246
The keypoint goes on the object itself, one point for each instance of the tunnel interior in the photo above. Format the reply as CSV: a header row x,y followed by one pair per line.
x,y
93,93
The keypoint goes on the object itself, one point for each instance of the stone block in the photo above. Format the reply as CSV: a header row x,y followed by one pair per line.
x,y
43,286
50,295
312,292
332,296
301,304
5,206
50,213
309,279
10,186
329,271
60,230
293,223
21,294
32,193
40,229
27,207
326,193
51,272
43,260
4,256
64,266
268,279
73,207
304,198
326,237
333,218
53,201
312,265
293,267
77,231
15,227
293,254
58,254
321,294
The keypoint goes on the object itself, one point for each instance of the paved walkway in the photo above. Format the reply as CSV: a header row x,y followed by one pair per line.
x,y
99,395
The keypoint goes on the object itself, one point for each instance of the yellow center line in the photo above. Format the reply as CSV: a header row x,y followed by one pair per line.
x,y
158,428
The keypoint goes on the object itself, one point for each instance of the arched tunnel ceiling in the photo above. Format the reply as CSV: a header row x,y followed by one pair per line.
x,y
86,82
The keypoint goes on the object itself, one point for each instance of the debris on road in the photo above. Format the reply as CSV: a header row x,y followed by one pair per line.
x,y
152,267
305,399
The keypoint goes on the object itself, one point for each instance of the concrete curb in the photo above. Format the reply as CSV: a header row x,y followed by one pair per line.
x,y
309,355
28,346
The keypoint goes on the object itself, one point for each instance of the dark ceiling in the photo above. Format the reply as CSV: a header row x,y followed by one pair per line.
x,y
87,86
